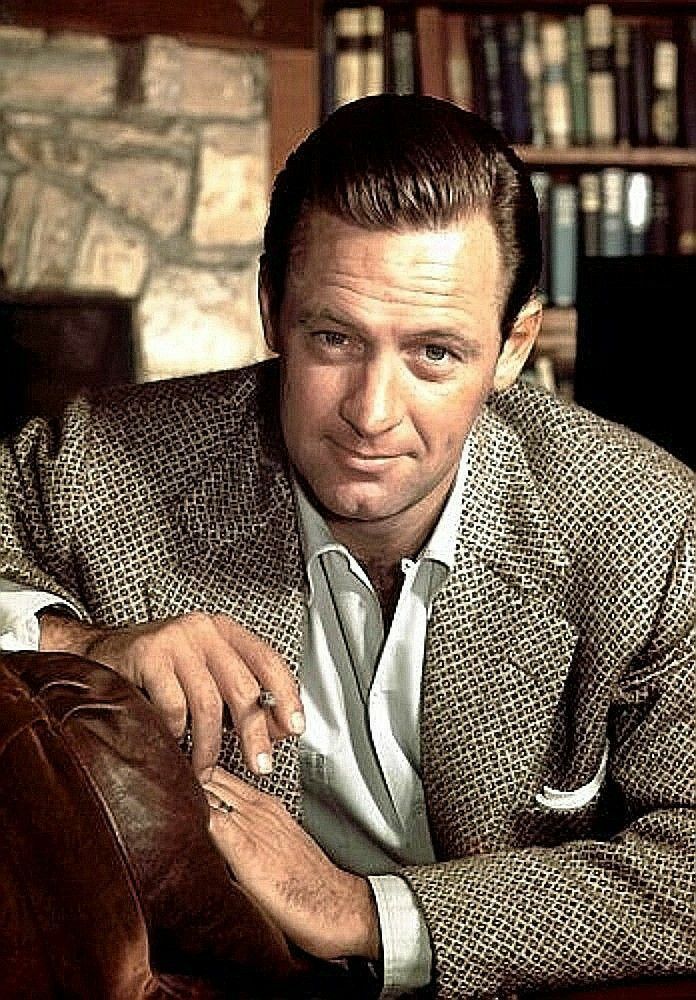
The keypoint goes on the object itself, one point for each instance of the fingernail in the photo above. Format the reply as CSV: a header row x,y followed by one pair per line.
x,y
206,775
264,763
297,723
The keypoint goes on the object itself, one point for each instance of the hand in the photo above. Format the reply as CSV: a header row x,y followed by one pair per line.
x,y
321,908
196,662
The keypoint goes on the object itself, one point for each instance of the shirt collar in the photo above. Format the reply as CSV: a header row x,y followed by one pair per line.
x,y
317,539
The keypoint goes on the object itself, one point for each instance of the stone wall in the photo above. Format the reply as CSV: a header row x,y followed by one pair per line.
x,y
139,169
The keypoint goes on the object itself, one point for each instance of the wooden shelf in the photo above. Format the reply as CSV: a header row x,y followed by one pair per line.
x,y
608,156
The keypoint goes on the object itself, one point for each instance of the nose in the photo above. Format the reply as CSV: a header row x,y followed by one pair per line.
x,y
374,401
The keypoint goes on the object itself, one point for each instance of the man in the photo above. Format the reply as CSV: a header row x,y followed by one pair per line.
x,y
484,776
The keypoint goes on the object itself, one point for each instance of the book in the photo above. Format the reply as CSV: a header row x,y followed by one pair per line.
x,y
601,96
400,52
659,230
564,243
665,114
478,67
613,236
686,28
541,181
430,45
685,211
641,80
373,50
577,78
328,66
491,65
532,69
349,72
513,83
638,211
622,81
590,208
458,63
556,88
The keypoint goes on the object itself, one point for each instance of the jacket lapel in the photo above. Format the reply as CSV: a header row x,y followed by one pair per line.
x,y
236,550
498,651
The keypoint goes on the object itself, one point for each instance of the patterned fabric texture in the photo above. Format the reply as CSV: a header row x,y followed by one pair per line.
x,y
559,656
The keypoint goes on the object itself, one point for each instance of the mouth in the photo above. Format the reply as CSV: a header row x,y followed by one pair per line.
x,y
364,459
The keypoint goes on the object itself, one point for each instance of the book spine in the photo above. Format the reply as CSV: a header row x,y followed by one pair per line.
x,y
430,41
687,79
564,243
600,74
491,62
590,207
622,70
459,82
685,211
659,236
613,233
641,77
541,181
513,82
400,45
532,68
373,39
328,66
557,111
349,76
638,211
665,112
577,78
478,67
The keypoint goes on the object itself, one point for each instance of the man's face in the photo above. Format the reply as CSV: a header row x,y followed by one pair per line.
x,y
389,344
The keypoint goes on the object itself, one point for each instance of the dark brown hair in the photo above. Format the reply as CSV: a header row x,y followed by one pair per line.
x,y
407,162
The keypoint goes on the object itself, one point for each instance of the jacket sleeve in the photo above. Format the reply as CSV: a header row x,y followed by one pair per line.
x,y
41,492
619,906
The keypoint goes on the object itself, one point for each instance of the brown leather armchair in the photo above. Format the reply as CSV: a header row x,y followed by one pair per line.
x,y
110,886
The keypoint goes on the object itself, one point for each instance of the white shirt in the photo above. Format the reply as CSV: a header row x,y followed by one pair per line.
x,y
360,753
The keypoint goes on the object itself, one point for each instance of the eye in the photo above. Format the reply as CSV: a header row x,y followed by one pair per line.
x,y
331,339
436,352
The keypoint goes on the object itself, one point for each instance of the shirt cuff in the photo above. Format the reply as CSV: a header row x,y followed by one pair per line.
x,y
406,951
19,626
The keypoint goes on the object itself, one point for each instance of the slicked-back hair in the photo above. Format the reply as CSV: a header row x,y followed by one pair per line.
x,y
398,163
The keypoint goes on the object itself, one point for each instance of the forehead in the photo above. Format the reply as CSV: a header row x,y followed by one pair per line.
x,y
460,260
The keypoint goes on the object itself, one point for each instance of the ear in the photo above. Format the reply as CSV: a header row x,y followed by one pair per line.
x,y
270,332
518,345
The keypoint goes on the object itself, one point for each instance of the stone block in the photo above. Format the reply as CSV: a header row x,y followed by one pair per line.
x,y
55,233
21,38
151,191
183,79
19,216
77,41
112,257
177,139
233,185
190,320
54,78
50,152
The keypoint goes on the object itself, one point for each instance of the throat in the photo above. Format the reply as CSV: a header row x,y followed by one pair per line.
x,y
386,577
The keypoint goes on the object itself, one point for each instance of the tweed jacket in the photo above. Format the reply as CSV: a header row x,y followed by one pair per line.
x,y
557,728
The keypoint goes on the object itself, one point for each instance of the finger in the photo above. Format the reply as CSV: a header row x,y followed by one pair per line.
x,y
205,705
230,787
240,690
271,673
165,692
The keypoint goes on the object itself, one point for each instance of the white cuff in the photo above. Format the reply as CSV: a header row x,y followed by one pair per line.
x,y
406,951
19,626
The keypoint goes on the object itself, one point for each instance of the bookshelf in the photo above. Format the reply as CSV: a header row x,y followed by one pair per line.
x,y
632,146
